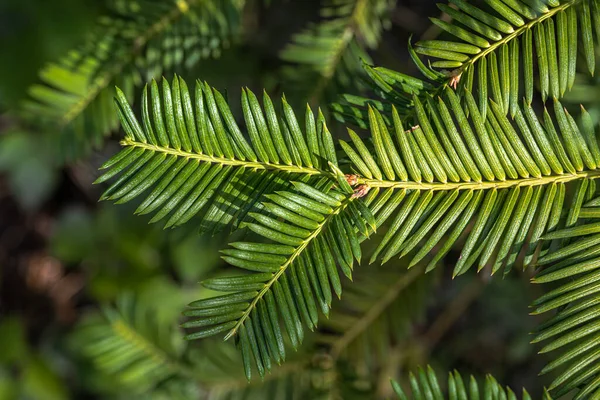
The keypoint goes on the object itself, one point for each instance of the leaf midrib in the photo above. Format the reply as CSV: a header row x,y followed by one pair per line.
x,y
519,31
380,183
509,183
284,267
226,161
129,334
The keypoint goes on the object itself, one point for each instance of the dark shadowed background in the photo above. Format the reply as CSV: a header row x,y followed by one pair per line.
x,y
64,256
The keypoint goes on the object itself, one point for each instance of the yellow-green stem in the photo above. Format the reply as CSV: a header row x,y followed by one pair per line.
x,y
510,183
544,180
519,31
226,161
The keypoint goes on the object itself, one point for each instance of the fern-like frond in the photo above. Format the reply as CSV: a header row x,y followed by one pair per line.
x,y
392,87
130,45
130,346
311,232
374,316
290,381
508,179
450,169
494,54
194,156
572,333
328,54
216,365
425,384
304,283
491,46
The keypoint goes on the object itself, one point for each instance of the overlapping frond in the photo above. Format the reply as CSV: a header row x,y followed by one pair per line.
x,y
425,384
392,88
135,42
496,46
149,360
127,343
194,156
494,53
572,335
449,170
374,317
217,368
311,232
328,53
291,381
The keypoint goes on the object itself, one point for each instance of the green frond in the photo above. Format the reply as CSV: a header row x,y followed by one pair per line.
x,y
310,233
216,366
194,156
450,169
508,179
392,87
425,384
132,44
223,379
493,53
149,360
495,46
329,52
570,268
375,314
127,343
442,166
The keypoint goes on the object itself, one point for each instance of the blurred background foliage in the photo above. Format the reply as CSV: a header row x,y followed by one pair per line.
x,y
90,295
